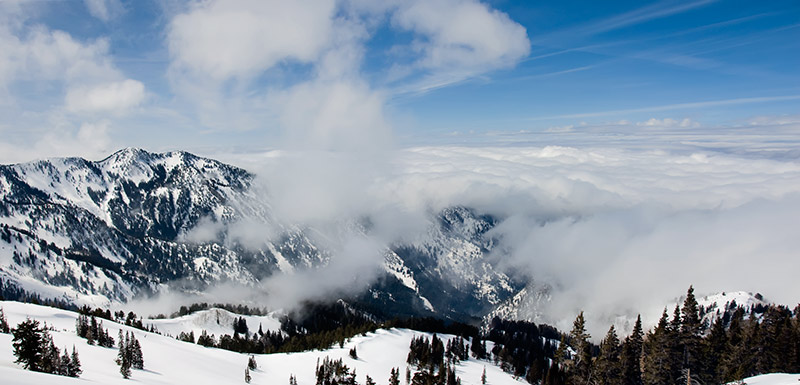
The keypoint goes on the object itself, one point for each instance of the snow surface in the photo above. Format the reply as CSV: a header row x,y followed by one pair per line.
x,y
169,361
213,321
774,379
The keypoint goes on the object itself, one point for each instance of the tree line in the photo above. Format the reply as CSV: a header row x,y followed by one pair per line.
x,y
736,343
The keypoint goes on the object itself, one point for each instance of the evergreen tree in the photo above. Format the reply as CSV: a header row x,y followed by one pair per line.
x,y
581,366
691,335
292,379
51,359
135,353
247,375
478,348
369,381
124,357
607,366
65,364
562,354
483,376
74,369
657,356
89,336
673,345
27,343
631,355
4,328
714,346
206,340
251,363
353,353
394,376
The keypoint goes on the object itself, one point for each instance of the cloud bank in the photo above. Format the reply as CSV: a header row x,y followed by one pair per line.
x,y
613,227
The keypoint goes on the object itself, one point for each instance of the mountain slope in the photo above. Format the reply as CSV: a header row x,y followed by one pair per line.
x,y
169,361
140,223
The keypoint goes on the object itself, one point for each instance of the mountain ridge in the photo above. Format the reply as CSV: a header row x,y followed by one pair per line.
x,y
129,225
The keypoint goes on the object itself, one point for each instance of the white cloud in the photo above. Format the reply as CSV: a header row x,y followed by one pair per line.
x,y
221,52
339,115
89,140
463,35
104,10
668,123
241,38
115,97
41,55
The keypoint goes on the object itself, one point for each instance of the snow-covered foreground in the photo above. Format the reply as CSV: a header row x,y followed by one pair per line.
x,y
169,361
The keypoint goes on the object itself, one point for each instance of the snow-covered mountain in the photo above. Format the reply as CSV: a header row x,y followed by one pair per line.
x,y
139,223
169,361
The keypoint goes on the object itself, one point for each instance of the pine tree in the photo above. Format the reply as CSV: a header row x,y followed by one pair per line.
x,y
292,379
135,353
483,376
123,356
581,365
369,381
89,336
657,363
631,355
714,346
535,371
353,353
65,364
394,376
247,375
51,358
251,363
562,354
4,328
607,365
732,357
27,343
74,369
691,332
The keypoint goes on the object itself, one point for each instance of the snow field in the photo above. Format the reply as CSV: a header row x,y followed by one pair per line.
x,y
169,361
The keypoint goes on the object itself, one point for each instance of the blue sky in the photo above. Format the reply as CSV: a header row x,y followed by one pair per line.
x,y
86,77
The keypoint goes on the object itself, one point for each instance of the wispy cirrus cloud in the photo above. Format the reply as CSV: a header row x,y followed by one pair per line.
x,y
676,106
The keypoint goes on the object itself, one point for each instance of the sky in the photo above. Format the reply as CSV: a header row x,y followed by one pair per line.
x,y
88,77
618,144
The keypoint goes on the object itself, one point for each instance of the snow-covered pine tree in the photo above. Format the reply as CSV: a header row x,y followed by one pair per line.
x,y
247,377
251,363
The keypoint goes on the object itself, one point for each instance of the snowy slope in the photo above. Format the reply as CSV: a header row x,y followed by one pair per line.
x,y
214,321
169,361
